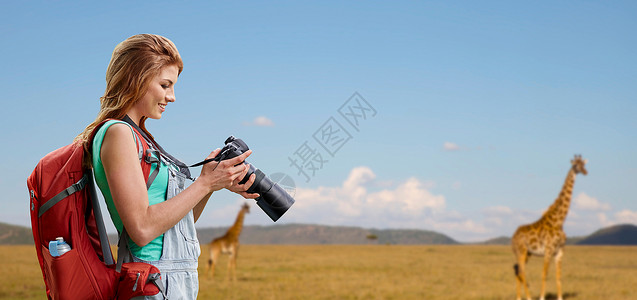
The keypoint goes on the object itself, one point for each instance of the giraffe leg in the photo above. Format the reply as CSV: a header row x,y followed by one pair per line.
x,y
558,273
234,263
547,262
518,281
230,259
209,264
214,255
233,267
521,277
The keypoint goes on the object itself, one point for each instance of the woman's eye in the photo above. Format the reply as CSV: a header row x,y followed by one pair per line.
x,y
164,86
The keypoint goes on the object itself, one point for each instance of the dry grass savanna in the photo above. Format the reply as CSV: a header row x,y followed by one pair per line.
x,y
378,272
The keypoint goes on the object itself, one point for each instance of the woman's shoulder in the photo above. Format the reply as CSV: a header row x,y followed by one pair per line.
x,y
114,124
117,132
114,140
113,128
106,126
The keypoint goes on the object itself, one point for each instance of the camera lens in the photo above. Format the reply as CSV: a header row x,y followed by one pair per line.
x,y
273,199
275,202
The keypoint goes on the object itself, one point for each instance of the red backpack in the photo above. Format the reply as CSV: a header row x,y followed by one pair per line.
x,y
64,203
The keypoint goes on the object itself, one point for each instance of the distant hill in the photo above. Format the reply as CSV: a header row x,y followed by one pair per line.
x,y
322,234
15,235
574,240
615,235
503,240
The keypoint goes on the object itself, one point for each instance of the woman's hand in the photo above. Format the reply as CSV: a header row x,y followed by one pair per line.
x,y
226,173
242,189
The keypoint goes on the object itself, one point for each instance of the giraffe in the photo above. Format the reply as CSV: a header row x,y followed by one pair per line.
x,y
546,237
228,244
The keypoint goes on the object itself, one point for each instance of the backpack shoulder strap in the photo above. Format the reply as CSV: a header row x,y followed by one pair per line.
x,y
99,220
144,152
146,158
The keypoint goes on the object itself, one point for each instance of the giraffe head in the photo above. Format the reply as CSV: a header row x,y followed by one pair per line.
x,y
578,164
245,207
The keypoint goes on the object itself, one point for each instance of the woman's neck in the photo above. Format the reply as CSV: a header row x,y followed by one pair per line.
x,y
134,117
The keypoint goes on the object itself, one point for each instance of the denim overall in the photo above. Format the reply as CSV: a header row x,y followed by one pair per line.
x,y
178,262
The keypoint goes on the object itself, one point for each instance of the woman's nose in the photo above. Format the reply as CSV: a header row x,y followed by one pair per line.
x,y
170,97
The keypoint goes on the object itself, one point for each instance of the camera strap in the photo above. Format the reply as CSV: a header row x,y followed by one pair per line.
x,y
221,156
183,168
203,162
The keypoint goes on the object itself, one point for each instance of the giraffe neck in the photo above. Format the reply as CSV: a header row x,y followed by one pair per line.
x,y
556,214
236,228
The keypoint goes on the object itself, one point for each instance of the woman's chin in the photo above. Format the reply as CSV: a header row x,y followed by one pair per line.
x,y
155,116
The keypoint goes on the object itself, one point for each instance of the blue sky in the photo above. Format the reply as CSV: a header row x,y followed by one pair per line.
x,y
477,107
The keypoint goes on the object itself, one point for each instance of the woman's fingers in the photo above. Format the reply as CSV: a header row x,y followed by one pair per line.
x,y
250,181
214,153
228,173
242,189
239,159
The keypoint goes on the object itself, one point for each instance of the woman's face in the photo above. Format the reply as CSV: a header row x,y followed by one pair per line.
x,y
160,92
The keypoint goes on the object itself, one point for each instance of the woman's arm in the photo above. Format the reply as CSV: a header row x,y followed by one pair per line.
x,y
145,222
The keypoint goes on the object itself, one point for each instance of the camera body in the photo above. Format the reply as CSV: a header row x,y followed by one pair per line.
x,y
273,199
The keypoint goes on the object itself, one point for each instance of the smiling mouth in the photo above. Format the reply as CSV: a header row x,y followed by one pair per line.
x,y
163,106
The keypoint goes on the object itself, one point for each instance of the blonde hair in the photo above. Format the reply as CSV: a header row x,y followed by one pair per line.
x,y
134,64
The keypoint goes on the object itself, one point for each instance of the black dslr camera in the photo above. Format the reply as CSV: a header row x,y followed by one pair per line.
x,y
273,199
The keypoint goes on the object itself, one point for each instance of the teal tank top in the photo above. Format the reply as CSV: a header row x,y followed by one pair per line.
x,y
156,194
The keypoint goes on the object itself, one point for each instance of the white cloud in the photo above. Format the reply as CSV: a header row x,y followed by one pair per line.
x,y
361,201
626,216
407,204
498,211
584,222
260,121
603,219
358,177
449,146
494,222
466,226
586,202
589,214
497,216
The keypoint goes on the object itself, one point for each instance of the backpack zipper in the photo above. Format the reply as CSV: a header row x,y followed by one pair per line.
x,y
136,280
32,200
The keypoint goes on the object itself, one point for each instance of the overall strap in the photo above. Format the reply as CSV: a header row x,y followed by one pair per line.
x,y
183,168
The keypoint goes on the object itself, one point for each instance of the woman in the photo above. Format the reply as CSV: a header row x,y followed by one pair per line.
x,y
159,220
